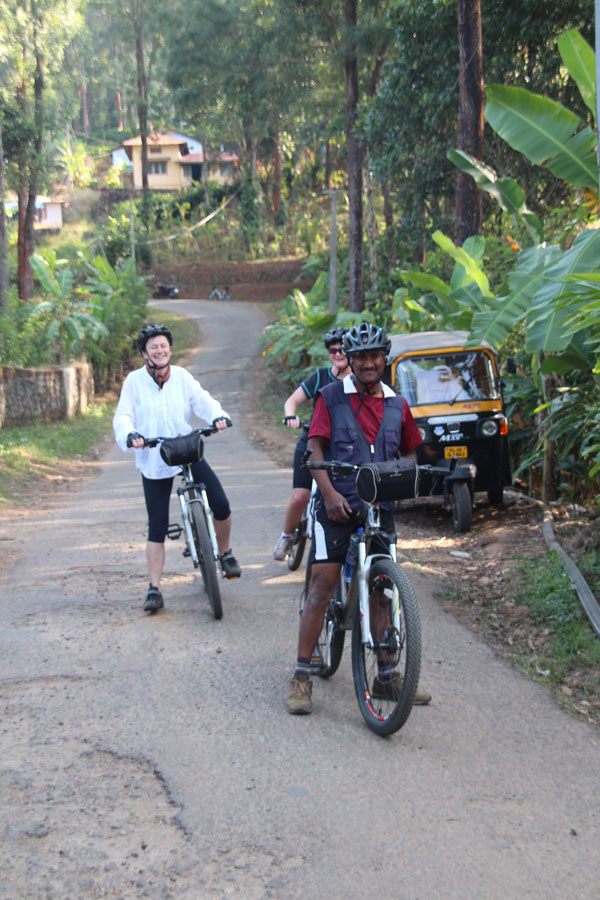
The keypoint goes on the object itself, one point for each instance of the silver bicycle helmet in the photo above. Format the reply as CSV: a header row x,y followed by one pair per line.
x,y
150,331
366,336
335,336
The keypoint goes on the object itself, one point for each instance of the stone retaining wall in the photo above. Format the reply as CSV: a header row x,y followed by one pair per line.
x,y
45,395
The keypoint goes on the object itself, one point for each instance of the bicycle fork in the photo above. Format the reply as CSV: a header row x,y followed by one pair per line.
x,y
185,503
363,571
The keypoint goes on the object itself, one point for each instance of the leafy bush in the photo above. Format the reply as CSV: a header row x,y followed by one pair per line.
x,y
295,340
22,335
68,323
117,298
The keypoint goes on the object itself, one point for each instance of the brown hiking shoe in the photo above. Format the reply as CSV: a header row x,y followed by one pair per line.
x,y
299,701
390,690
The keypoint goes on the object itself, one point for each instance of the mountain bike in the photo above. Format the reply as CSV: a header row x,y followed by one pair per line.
x,y
375,600
197,517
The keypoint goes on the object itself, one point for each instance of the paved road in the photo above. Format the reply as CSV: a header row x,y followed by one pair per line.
x,y
153,757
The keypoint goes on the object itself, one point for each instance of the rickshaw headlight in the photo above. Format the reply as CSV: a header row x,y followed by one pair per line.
x,y
423,433
489,427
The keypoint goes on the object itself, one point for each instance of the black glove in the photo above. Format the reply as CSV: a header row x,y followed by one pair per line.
x,y
132,436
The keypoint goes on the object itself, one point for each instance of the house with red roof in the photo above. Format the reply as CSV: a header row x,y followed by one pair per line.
x,y
171,165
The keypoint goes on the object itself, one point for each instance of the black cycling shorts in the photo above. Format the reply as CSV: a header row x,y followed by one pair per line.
x,y
331,539
157,493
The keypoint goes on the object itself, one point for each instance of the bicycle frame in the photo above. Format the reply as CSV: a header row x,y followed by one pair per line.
x,y
359,585
185,502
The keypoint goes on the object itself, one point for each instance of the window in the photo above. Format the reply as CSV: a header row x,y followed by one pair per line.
x,y
157,168
226,171
447,378
154,149
187,171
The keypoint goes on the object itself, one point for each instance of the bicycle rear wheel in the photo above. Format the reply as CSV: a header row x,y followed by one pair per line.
x,y
206,558
396,633
298,544
327,653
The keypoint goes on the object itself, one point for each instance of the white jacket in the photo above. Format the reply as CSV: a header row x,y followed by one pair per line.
x,y
166,411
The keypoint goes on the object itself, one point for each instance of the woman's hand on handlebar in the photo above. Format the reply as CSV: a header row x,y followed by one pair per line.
x,y
222,423
135,440
292,421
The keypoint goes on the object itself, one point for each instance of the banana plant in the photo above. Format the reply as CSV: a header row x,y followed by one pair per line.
x,y
69,322
509,195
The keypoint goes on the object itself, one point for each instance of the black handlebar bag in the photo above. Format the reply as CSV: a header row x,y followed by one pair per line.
x,y
179,451
395,479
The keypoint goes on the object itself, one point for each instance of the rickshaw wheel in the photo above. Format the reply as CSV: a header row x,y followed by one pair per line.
x,y
496,495
461,507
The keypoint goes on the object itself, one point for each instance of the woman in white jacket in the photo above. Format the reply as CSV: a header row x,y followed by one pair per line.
x,y
158,399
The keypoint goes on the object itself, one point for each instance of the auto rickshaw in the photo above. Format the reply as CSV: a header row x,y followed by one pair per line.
x,y
455,395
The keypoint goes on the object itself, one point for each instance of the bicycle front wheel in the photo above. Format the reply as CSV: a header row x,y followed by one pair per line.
x,y
206,558
298,544
386,669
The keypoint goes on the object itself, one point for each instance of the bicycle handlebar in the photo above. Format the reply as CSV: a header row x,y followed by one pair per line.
x,y
205,432
304,425
333,465
340,468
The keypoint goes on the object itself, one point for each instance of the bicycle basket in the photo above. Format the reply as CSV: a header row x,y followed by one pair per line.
x,y
395,479
179,451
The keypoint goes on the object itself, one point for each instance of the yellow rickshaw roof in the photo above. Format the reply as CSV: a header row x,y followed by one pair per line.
x,y
421,341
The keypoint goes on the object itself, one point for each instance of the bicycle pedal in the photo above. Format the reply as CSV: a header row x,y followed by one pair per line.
x,y
186,552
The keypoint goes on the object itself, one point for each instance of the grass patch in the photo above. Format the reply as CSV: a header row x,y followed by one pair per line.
x,y
566,648
41,451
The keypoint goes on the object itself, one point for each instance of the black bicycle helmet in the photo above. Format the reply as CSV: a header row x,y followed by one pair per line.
x,y
334,336
152,331
366,336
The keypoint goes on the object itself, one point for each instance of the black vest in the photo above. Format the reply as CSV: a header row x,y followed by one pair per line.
x,y
348,442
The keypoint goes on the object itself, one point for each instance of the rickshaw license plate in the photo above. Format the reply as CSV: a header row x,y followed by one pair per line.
x,y
459,452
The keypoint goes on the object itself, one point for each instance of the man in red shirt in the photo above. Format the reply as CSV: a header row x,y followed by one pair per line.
x,y
357,420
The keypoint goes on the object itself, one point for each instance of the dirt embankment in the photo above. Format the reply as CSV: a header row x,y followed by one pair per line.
x,y
271,280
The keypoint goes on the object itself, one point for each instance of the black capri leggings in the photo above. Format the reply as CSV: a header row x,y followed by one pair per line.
x,y
157,493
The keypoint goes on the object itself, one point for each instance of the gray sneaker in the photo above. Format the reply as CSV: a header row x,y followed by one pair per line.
x,y
299,701
154,600
282,547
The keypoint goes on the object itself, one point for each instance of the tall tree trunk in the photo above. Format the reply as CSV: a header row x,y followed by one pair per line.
x,y
388,215
3,235
34,169
470,116
354,157
142,87
85,114
276,176
327,163
119,107
371,229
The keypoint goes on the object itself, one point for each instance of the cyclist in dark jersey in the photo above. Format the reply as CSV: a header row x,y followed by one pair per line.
x,y
302,480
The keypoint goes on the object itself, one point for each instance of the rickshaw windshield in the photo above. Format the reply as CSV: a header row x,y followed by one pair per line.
x,y
446,378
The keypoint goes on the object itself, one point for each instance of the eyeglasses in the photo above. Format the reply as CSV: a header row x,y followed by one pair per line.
x,y
336,351
364,355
